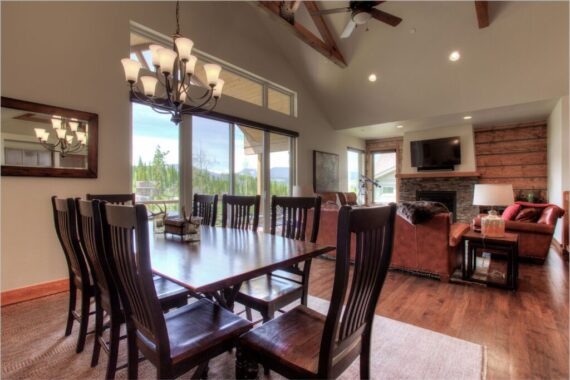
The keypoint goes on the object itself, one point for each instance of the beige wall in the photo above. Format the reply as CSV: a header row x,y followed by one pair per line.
x,y
67,54
558,157
465,133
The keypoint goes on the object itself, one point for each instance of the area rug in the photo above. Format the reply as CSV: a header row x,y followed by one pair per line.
x,y
33,347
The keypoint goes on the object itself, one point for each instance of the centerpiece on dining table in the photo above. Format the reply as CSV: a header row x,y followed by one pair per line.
x,y
187,228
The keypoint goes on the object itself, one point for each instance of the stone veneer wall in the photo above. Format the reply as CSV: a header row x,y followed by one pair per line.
x,y
463,186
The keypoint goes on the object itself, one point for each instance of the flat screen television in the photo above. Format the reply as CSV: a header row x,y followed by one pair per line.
x,y
436,154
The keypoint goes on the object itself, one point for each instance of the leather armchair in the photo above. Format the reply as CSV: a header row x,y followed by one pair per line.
x,y
430,248
534,237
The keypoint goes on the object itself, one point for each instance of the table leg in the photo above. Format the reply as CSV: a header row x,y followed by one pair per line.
x,y
226,297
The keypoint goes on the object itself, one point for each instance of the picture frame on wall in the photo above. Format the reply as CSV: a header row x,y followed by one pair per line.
x,y
325,172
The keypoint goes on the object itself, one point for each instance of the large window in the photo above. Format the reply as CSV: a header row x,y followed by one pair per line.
x,y
355,168
155,159
384,172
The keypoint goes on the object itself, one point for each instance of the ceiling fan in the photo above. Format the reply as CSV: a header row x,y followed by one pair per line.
x,y
361,12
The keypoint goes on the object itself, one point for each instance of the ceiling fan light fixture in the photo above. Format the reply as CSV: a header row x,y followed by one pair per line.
x,y
361,17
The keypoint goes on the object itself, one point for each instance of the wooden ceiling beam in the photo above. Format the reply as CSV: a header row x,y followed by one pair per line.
x,y
324,47
482,9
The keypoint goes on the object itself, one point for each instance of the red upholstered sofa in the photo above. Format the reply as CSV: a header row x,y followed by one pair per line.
x,y
535,232
428,248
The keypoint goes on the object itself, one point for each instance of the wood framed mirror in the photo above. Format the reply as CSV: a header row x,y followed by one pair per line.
x,y
38,140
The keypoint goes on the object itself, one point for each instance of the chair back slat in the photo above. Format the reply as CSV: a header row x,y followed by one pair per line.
x,y
124,228
121,199
238,209
294,215
65,220
91,239
373,228
205,206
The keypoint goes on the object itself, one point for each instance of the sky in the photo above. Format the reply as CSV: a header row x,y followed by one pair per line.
x,y
210,136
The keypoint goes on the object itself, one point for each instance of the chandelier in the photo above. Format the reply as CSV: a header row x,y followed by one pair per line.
x,y
70,138
174,69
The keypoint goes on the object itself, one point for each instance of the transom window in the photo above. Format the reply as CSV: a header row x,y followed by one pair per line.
x,y
239,83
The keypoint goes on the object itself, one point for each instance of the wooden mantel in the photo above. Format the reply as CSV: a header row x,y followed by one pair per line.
x,y
438,174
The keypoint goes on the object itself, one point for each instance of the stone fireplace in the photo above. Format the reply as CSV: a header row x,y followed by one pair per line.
x,y
448,198
439,188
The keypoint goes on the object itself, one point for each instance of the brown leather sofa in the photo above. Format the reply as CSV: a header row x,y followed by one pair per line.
x,y
535,237
430,248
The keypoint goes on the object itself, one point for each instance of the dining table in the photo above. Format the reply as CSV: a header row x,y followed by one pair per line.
x,y
224,258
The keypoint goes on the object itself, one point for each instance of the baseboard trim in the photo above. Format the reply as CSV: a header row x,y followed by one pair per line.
x,y
28,293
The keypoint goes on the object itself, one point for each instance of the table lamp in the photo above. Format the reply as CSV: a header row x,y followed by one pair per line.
x,y
493,225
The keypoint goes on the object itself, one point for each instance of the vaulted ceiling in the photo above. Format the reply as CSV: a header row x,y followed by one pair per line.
x,y
520,58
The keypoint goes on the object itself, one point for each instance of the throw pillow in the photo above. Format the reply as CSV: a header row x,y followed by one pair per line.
x,y
529,215
511,212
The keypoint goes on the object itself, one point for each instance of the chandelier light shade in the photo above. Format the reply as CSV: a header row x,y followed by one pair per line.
x,y
168,91
69,141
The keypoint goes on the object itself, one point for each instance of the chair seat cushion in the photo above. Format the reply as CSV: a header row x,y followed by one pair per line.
x,y
268,288
200,326
293,339
167,290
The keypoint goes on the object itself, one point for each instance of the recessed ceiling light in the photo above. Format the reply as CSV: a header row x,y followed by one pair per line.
x,y
454,56
399,126
468,117
372,77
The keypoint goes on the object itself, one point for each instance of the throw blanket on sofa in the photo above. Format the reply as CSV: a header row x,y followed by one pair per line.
x,y
420,211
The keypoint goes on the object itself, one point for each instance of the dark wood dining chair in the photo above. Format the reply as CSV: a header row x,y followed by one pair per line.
x,y
174,342
242,211
65,219
205,206
303,343
270,293
107,300
121,199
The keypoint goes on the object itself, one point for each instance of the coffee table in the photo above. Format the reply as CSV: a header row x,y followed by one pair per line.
x,y
507,246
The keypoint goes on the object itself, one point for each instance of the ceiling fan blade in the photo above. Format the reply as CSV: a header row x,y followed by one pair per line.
x,y
330,11
349,28
385,17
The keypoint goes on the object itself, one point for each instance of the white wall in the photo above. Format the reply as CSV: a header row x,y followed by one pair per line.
x,y
465,133
558,157
67,54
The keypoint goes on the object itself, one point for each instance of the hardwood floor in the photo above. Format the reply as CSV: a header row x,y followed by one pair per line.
x,y
526,333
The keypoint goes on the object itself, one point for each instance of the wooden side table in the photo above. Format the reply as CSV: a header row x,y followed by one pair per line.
x,y
504,246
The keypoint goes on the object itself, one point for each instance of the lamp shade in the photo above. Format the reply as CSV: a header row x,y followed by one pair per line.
x,y
39,132
184,46
191,64
149,84
303,191
493,195
131,68
154,54
212,73
218,88
73,125
167,58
